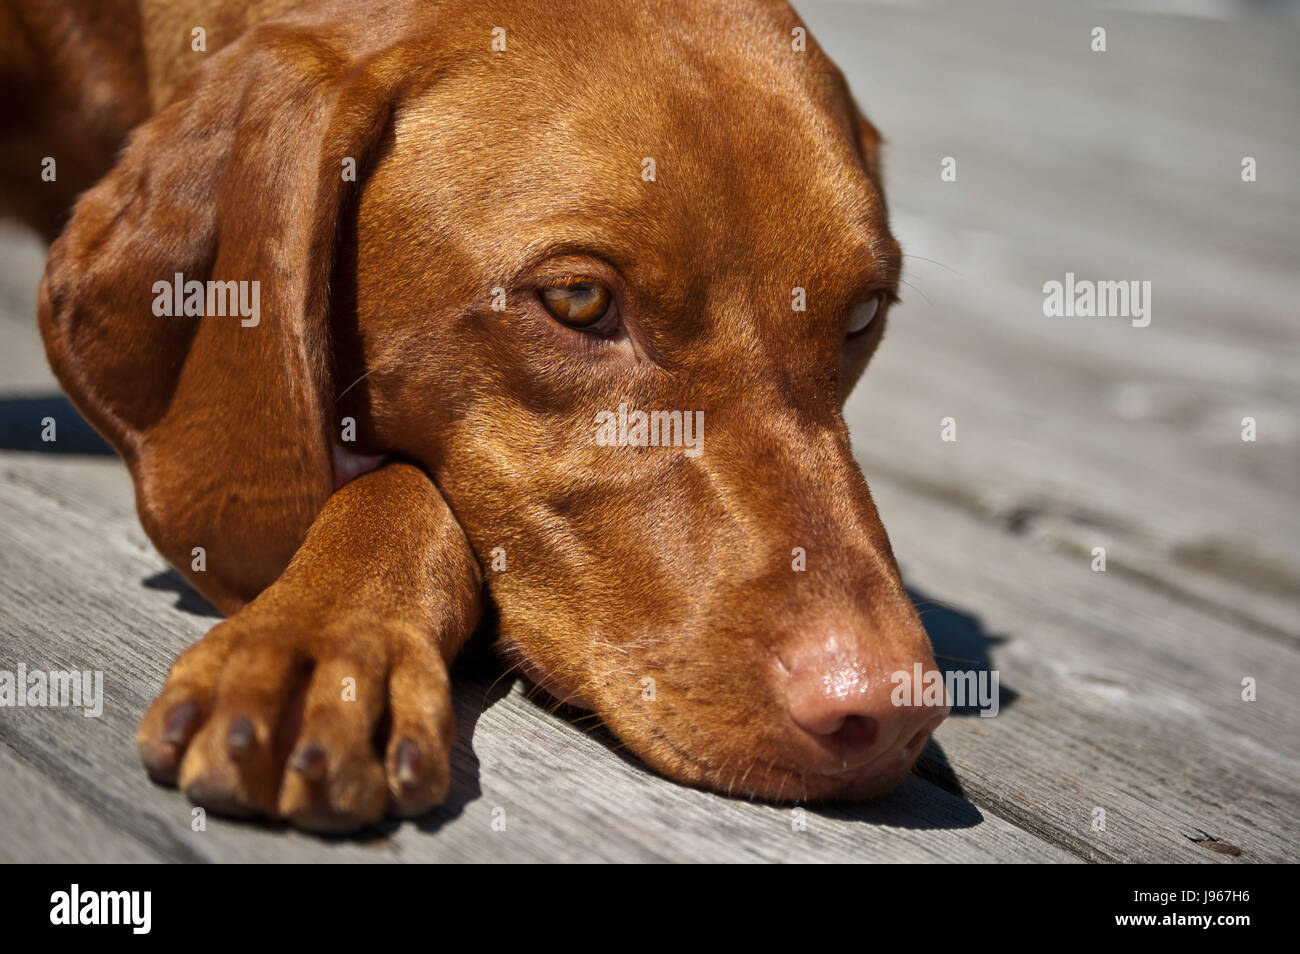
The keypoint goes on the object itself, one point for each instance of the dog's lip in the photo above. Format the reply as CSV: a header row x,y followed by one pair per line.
x,y
806,783
870,780
887,764
847,770
782,782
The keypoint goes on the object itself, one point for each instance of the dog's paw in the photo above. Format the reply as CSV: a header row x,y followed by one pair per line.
x,y
327,727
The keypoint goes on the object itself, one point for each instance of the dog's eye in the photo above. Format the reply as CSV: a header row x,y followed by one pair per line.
x,y
863,313
581,305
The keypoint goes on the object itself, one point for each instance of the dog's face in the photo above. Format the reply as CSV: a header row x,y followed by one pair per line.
x,y
728,604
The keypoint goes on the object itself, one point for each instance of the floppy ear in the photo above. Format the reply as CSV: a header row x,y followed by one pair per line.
x,y
224,421
869,141
866,137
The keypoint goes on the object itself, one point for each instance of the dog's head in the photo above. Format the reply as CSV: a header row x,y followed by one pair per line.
x,y
609,282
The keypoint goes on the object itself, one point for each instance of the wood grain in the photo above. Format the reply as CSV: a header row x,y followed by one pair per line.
x,y
1122,690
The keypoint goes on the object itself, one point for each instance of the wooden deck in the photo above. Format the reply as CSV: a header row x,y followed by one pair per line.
x,y
1121,689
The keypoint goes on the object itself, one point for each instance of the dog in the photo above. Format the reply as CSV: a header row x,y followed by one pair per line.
x,y
402,314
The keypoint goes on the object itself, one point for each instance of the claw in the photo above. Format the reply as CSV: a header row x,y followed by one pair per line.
x,y
179,724
408,763
311,762
241,739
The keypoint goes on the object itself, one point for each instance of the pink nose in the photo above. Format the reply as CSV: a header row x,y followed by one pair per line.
x,y
845,712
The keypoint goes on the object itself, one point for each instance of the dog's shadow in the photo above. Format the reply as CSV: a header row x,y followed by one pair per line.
x,y
47,424
188,599
961,645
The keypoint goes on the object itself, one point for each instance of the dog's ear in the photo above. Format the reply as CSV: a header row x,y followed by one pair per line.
x,y
223,420
869,142
866,137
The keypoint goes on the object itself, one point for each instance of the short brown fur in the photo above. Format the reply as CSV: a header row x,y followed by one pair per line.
x,y
477,170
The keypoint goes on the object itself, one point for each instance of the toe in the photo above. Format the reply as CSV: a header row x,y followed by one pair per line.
x,y
234,762
418,761
175,716
334,781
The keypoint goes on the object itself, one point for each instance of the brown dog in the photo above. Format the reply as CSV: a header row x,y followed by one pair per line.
x,y
478,244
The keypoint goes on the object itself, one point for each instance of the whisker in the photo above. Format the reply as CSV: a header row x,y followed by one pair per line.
x,y
951,658
511,669
918,291
932,261
339,397
745,777
592,728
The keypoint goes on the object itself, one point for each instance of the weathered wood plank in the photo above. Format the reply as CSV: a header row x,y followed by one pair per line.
x,y
1070,435
1123,165
73,572
44,825
1124,698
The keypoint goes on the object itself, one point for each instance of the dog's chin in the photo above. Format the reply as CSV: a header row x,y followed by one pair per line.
x,y
760,776
792,785
731,767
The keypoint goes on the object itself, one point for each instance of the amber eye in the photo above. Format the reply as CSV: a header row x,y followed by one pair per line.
x,y
581,305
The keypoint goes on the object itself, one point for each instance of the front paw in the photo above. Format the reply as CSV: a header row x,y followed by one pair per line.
x,y
328,727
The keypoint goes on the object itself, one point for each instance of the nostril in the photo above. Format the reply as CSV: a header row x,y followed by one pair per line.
x,y
827,716
858,732
843,739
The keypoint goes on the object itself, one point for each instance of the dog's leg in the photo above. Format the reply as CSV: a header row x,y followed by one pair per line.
x,y
326,701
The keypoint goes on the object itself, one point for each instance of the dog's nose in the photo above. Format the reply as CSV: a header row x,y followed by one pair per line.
x,y
854,715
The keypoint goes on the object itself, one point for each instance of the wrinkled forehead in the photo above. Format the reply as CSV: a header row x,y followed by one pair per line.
x,y
647,146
